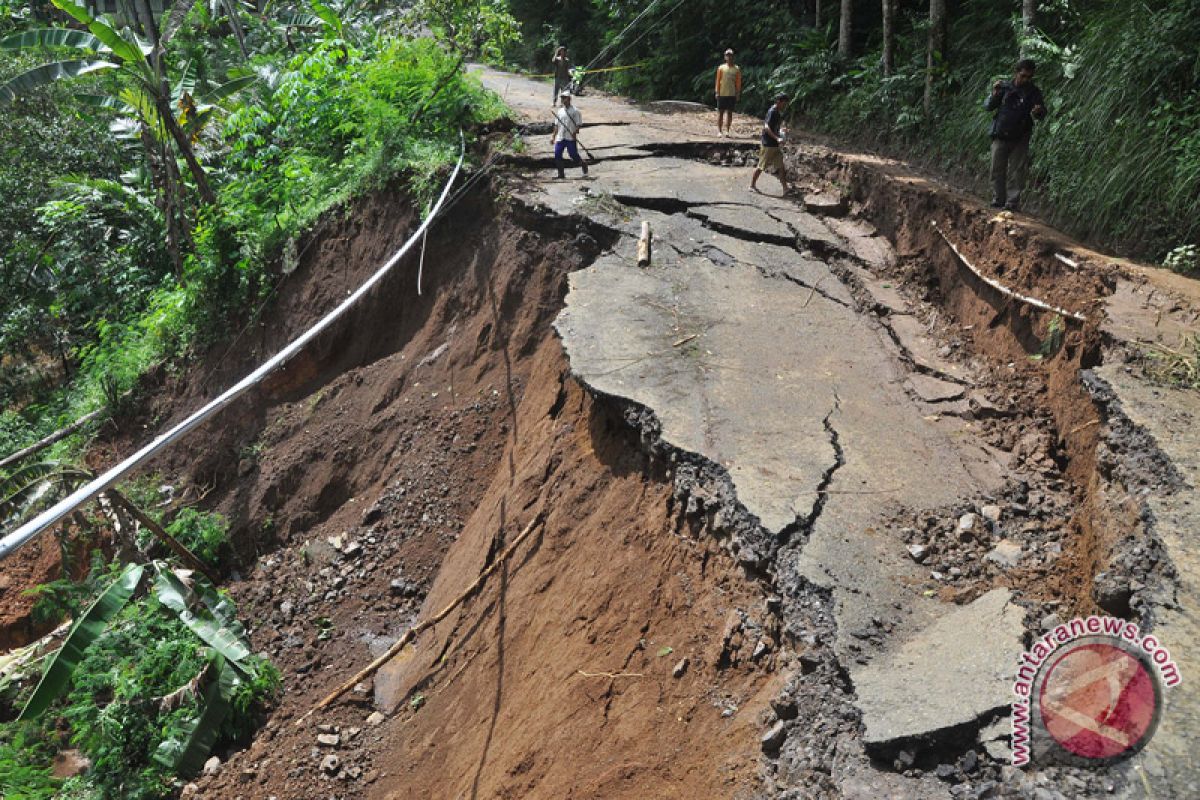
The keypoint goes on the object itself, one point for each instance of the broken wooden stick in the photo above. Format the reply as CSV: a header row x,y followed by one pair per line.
x,y
644,245
177,547
419,628
42,444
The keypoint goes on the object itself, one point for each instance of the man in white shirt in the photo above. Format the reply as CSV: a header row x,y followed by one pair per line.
x,y
567,122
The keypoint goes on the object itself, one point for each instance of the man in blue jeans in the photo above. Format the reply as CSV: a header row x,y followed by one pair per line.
x,y
567,122
1016,103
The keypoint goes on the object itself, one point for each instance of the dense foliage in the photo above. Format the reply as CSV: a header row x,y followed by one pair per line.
x,y
135,696
150,203
115,260
1117,160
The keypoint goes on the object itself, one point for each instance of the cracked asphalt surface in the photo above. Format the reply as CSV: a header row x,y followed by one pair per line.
x,y
745,343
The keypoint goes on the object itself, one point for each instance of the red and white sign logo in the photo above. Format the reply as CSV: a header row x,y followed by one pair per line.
x,y
1089,691
1097,700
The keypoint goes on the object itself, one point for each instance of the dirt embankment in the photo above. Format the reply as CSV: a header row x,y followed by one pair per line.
x,y
372,479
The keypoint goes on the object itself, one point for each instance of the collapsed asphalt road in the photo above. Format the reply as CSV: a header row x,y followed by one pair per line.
x,y
832,442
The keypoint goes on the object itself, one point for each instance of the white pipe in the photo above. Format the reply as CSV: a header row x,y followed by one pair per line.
x,y
14,540
1033,301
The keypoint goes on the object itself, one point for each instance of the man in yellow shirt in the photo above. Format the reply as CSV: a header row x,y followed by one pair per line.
x,y
728,90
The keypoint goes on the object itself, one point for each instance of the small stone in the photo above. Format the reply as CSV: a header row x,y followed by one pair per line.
x,y
328,739
352,550
944,771
967,522
1051,621
785,708
918,552
1006,553
680,668
760,649
69,763
970,761
999,750
375,719
330,764
212,766
402,588
991,513
774,738
287,608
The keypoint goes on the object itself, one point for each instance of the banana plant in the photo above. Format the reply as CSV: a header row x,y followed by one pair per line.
x,y
205,612
139,66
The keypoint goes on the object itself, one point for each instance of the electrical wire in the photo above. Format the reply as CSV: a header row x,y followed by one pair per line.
x,y
617,38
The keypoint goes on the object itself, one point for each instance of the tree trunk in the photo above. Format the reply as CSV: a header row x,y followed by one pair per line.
x,y
936,53
235,24
889,37
164,173
817,13
845,21
185,148
1028,19
162,103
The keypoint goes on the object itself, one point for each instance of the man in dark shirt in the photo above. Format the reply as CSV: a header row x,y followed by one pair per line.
x,y
1016,103
562,73
770,155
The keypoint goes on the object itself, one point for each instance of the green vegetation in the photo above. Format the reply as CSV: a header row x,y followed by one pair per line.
x,y
1175,366
201,532
151,676
153,199
1117,160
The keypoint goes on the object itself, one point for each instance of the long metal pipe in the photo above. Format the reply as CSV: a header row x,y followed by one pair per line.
x,y
10,543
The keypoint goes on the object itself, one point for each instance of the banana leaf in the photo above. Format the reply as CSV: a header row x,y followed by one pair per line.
x,y
298,20
93,622
118,44
185,751
48,73
52,37
228,88
208,615
327,15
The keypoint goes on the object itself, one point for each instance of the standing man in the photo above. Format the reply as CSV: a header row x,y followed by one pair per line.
x,y
1016,103
770,154
562,73
728,90
567,121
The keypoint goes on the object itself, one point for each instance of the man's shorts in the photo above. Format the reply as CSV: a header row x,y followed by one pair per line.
x,y
770,159
726,103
